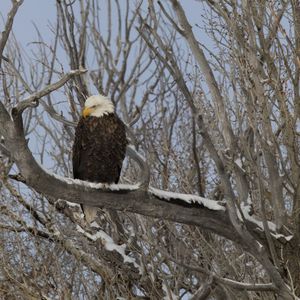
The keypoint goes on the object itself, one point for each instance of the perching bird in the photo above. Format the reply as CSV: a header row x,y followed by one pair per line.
x,y
99,147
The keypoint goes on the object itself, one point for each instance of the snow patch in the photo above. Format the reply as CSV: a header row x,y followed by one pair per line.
x,y
238,162
72,204
69,180
280,236
122,187
94,224
181,28
189,198
110,245
246,209
101,186
169,294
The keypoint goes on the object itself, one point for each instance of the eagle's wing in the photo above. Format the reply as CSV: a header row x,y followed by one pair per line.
x,y
77,149
121,141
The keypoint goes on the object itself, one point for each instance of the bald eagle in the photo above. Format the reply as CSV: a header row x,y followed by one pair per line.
x,y
99,146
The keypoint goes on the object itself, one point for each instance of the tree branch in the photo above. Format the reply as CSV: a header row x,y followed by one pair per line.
x,y
8,26
225,281
187,33
145,172
33,100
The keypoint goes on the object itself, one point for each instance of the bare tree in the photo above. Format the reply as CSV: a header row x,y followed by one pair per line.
x,y
214,121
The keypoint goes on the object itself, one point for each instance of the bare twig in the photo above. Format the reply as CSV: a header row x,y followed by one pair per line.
x,y
33,100
8,26
229,282
4,150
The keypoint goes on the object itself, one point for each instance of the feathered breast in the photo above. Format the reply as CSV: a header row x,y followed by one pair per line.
x,y
99,149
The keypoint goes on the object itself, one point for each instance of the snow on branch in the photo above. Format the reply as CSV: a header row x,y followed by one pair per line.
x,y
188,198
110,245
165,195
178,198
245,208
100,186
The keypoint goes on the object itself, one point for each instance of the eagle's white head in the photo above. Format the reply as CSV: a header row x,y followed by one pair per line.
x,y
97,106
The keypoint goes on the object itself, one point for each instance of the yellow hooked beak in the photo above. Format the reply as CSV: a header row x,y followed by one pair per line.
x,y
86,112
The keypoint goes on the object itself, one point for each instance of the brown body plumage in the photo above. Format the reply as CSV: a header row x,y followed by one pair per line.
x,y
99,149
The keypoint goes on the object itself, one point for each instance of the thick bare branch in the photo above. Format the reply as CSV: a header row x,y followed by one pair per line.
x,y
145,172
187,33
